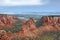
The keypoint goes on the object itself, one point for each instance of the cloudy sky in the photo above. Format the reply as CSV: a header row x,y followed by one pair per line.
x,y
18,6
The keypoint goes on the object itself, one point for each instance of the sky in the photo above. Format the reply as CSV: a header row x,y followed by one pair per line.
x,y
19,6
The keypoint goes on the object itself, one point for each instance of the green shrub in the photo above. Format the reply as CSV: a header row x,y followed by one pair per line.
x,y
38,24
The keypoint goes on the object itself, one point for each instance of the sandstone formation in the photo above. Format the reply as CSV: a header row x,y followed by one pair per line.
x,y
51,23
28,28
29,25
7,20
3,35
50,20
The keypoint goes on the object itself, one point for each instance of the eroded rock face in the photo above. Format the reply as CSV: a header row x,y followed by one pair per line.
x,y
7,20
29,25
3,35
50,23
28,28
50,20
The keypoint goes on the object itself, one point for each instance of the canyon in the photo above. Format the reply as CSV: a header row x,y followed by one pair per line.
x,y
29,28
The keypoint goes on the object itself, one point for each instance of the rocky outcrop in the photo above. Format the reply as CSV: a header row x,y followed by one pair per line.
x,y
29,25
50,20
50,23
7,20
3,35
28,28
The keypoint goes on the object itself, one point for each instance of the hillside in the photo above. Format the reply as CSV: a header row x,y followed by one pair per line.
x,y
51,23
48,29
8,20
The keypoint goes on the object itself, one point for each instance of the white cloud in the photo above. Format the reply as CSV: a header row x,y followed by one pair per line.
x,y
22,2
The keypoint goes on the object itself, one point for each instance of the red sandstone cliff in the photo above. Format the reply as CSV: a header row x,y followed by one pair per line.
x,y
50,23
3,35
7,20
28,28
29,25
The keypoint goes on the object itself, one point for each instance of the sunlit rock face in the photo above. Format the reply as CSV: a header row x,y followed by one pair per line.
x,y
7,20
29,25
51,23
28,28
51,20
3,35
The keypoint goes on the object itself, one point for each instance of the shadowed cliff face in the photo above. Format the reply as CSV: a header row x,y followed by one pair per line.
x,y
7,20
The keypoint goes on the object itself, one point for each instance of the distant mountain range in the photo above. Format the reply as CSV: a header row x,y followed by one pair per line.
x,y
35,13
